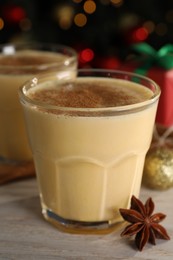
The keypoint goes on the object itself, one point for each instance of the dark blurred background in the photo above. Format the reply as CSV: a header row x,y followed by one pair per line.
x,y
100,30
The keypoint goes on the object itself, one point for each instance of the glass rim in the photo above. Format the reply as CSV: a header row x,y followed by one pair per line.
x,y
116,109
11,48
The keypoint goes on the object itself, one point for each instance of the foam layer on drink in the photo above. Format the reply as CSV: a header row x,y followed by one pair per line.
x,y
26,61
91,93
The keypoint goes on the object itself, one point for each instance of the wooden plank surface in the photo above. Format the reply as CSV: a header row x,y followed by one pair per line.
x,y
24,234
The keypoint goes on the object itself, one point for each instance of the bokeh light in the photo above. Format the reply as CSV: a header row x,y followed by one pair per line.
x,y
64,16
140,34
80,19
1,23
161,29
150,26
117,2
25,24
14,14
86,55
89,6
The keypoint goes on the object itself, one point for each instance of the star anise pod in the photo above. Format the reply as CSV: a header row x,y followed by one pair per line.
x,y
143,225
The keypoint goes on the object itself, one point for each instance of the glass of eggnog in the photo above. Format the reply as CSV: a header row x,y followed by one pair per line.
x,y
18,63
89,133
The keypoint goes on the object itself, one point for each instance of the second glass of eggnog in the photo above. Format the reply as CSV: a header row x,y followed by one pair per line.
x,y
89,135
18,63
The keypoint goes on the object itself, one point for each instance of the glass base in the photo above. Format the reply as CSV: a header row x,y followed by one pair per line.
x,y
73,226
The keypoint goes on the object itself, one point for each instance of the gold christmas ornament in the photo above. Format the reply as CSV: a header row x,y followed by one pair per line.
x,y
158,168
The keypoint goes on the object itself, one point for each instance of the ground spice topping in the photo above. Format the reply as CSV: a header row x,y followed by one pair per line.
x,y
85,93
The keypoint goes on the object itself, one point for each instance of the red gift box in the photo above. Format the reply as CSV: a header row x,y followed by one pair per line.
x,y
164,78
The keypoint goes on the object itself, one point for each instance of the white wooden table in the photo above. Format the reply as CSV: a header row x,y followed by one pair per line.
x,y
24,234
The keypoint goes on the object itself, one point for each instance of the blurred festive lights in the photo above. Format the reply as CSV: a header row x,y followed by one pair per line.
x,y
25,24
89,6
64,15
86,55
128,21
18,13
107,62
161,29
140,34
1,23
80,19
116,2
150,26
13,13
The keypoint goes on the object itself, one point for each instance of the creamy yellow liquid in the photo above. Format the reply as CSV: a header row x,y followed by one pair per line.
x,y
14,71
89,166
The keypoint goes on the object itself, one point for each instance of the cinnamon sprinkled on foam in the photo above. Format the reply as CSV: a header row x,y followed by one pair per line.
x,y
28,61
97,93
